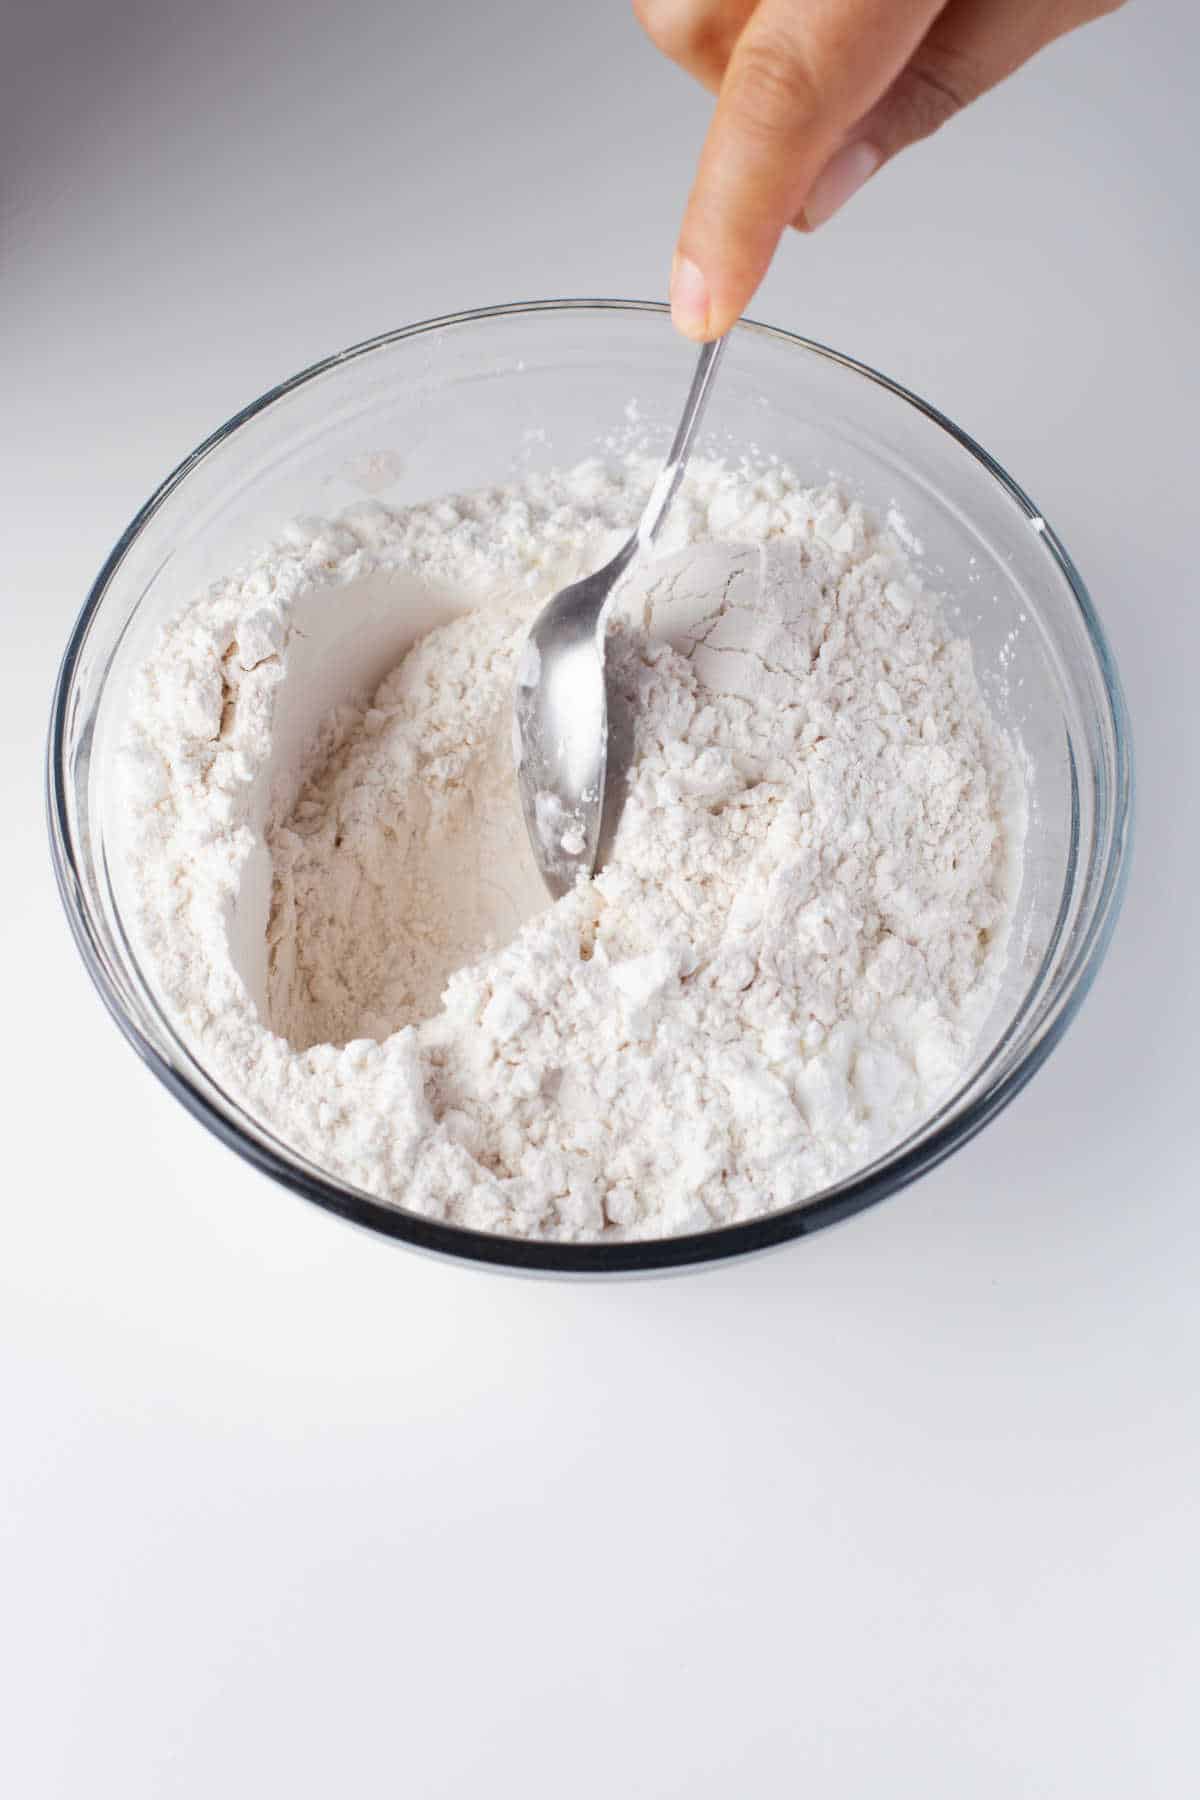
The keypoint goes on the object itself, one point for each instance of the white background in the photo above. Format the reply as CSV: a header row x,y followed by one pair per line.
x,y
906,1509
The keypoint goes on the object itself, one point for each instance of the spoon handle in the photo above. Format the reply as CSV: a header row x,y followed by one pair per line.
x,y
663,491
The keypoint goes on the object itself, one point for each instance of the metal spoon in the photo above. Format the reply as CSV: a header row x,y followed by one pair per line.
x,y
560,708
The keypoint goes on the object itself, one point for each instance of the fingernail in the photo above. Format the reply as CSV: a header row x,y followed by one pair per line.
x,y
841,177
689,298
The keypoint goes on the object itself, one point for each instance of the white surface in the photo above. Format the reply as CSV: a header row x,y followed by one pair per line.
x,y
905,1509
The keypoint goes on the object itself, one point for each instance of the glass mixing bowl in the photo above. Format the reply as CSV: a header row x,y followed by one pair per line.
x,y
484,396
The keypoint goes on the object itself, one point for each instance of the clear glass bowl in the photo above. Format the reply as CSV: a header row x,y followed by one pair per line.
x,y
480,397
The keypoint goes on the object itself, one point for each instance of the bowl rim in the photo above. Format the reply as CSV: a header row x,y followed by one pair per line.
x,y
930,1145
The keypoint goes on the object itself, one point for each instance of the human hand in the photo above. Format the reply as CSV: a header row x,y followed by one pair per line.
x,y
813,97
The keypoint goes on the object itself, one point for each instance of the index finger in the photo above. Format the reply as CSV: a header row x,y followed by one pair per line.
x,y
801,73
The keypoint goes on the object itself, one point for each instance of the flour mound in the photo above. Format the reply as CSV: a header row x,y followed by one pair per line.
x,y
783,963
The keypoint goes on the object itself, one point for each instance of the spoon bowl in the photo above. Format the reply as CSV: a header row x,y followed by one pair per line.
x,y
561,727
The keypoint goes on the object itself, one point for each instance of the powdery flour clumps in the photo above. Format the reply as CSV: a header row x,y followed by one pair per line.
x,y
783,963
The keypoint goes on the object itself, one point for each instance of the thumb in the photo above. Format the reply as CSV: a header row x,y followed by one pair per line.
x,y
799,76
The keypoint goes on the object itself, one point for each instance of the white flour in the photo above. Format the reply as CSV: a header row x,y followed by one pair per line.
x,y
797,931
